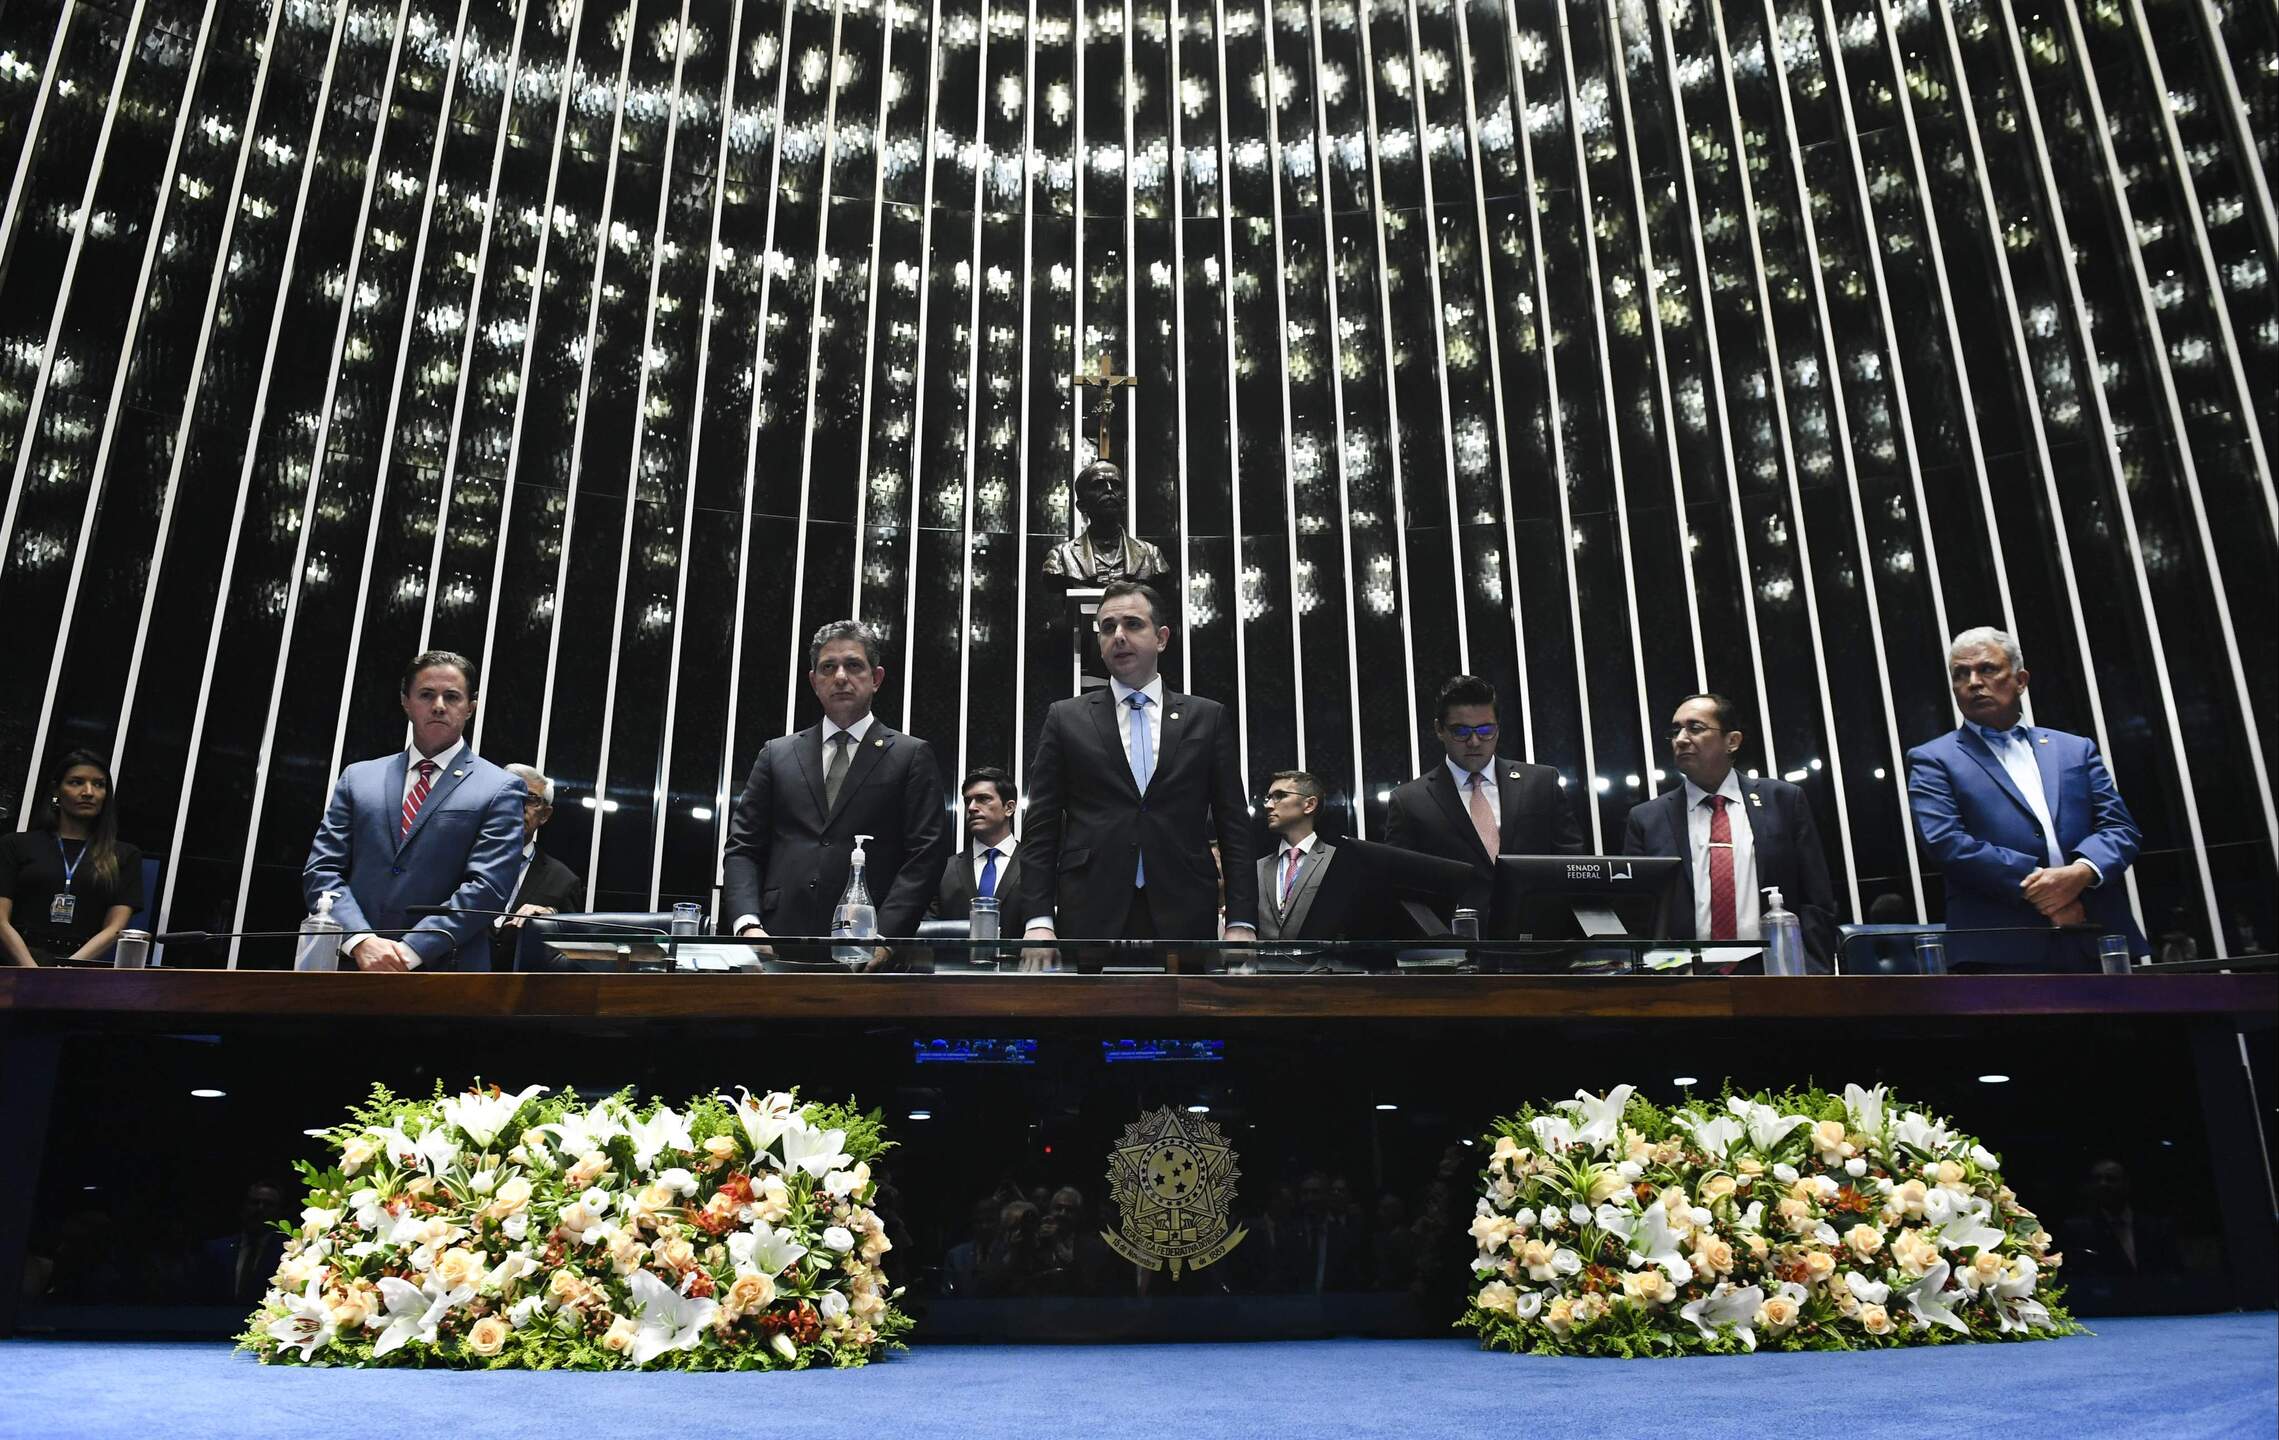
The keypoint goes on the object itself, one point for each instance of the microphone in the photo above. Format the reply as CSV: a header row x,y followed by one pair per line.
x,y
423,912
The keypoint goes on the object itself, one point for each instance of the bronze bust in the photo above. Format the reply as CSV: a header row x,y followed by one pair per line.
x,y
1104,551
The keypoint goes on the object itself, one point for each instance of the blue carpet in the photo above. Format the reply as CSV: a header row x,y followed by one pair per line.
x,y
2212,1375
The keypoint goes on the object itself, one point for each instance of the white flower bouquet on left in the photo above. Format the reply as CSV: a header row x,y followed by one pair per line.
x,y
495,1229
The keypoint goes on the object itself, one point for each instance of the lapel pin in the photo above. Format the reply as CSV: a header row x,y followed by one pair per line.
x,y
880,742
1172,716
1514,775
1756,800
458,774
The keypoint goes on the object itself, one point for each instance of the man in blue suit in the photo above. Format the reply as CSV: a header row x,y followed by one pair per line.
x,y
433,825
1738,834
2025,821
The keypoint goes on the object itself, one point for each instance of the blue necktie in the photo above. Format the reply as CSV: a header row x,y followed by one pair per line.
x,y
988,885
1143,766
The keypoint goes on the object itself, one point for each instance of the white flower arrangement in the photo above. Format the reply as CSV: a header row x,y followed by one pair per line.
x,y
1796,1221
495,1229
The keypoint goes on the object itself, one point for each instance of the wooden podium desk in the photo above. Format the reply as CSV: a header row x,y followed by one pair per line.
x,y
1372,1082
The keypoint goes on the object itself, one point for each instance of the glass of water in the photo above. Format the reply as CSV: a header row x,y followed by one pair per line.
x,y
987,922
688,918
2113,954
1930,953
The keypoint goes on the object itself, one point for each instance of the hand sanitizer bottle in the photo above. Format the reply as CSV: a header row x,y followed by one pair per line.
x,y
1783,936
320,938
856,918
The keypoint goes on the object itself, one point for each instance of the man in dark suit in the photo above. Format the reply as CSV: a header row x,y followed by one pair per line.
x,y
1290,877
434,824
2025,821
1479,805
1738,834
810,793
1130,781
543,885
989,863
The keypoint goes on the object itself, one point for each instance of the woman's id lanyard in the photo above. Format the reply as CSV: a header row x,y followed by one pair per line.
x,y
65,904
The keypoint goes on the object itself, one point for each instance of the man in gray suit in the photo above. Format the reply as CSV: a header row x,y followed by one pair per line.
x,y
433,824
1290,877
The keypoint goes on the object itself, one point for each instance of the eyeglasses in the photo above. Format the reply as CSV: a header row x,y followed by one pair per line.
x,y
1695,728
1274,795
1466,732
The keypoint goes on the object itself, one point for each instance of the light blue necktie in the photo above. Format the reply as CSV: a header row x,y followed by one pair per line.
x,y
988,885
1143,766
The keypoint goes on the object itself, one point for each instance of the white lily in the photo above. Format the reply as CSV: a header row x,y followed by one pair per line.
x,y
1727,1306
369,1211
764,1251
1767,1127
1866,1291
307,1324
1654,1243
432,1151
1825,1234
414,1313
1613,1219
584,1134
669,1319
514,1267
1984,1158
315,1220
2018,1281
818,1152
1920,1134
1715,1134
839,1184
481,1117
681,1182
525,1310
665,1130
2022,1315
1752,1218
1866,1109
1553,1132
763,1119
1600,1116
1924,1297
1967,1229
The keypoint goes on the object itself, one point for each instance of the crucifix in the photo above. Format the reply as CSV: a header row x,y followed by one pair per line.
x,y
1107,382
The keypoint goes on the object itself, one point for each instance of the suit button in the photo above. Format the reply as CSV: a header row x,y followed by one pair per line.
x,y
395,870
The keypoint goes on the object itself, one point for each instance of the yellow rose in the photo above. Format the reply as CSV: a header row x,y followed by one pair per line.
x,y
750,1294
1950,1173
1716,1187
1915,1254
349,1310
1588,1308
1758,1244
1492,1232
1560,1315
1875,1321
1796,1214
1864,1240
1828,1139
621,1335
509,1199
357,1154
656,1195
1498,1298
1649,1287
1847,1302
1777,1314
564,1287
1669,1152
488,1336
1819,1265
1713,1255
1535,1255
721,1148
1910,1197
1751,1165
677,1253
589,1169
420,1186
1634,1146
455,1268
1988,1267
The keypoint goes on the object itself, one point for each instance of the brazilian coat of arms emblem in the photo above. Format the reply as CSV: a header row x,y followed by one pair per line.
x,y
1172,1176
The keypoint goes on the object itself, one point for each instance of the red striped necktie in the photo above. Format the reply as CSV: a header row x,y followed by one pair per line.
x,y
1724,904
418,794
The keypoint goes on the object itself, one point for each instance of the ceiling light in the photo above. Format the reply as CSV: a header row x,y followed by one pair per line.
x,y
1686,1080
1387,1105
207,1094
1198,1109
1993,1079
921,1114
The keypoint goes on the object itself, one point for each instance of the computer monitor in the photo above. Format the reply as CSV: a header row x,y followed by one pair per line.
x,y
1380,892
1582,897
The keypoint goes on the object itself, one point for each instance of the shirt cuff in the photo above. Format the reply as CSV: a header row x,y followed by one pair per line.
x,y
741,922
2094,870
1040,922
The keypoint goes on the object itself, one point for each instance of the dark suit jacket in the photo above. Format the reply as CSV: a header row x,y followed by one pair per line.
x,y
1429,816
786,860
1276,922
1787,846
1087,826
462,850
550,883
1978,828
953,898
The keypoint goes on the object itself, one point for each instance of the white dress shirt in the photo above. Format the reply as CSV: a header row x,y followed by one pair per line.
x,y
521,873
1004,849
1748,900
1283,884
1487,786
2015,749
859,729
1153,710
443,759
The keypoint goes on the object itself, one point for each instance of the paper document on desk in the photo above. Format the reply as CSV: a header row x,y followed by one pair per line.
x,y
711,957
1718,955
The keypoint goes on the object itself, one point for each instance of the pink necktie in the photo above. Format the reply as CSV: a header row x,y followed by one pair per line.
x,y
1724,910
1483,818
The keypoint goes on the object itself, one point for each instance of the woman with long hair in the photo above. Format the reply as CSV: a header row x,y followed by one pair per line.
x,y
67,886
